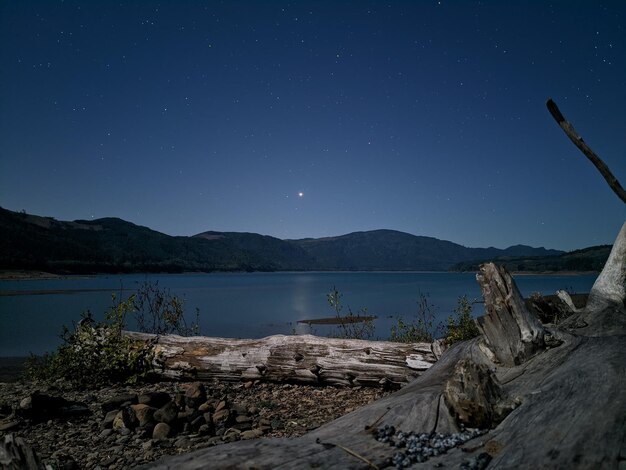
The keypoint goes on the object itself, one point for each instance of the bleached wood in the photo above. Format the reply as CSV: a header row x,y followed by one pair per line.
x,y
578,141
610,286
509,329
303,359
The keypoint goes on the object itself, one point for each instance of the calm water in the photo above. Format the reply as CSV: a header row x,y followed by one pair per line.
x,y
248,305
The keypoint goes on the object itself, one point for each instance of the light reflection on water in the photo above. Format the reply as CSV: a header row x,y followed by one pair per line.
x,y
249,305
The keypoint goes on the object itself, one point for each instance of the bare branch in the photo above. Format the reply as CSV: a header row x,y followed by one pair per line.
x,y
584,148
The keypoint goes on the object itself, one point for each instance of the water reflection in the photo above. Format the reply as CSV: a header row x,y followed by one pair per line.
x,y
248,305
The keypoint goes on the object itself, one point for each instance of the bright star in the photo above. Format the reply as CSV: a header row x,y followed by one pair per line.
x,y
300,194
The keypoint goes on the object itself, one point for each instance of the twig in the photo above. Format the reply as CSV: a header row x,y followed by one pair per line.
x,y
584,148
330,445
372,426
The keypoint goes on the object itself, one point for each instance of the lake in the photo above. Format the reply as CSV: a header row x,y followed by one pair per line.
x,y
247,305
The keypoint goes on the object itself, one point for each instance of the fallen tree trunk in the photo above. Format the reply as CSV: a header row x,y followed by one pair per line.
x,y
302,359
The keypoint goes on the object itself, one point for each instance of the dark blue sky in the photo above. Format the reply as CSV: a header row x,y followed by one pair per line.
x,y
427,117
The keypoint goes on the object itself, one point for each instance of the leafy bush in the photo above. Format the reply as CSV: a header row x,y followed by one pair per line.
x,y
462,326
158,312
97,353
420,329
350,326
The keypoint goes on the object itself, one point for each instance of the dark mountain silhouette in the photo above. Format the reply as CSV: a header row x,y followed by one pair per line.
x,y
399,251
114,245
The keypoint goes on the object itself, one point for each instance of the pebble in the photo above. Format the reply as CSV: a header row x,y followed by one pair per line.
x,y
419,447
261,410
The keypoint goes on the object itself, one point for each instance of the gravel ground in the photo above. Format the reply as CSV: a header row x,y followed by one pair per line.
x,y
89,440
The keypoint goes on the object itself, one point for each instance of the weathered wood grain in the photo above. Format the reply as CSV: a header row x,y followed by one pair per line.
x,y
302,359
510,330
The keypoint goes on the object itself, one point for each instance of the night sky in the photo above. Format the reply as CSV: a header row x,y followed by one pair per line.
x,y
309,119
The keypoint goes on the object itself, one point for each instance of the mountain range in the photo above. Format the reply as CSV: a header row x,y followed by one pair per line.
x,y
114,245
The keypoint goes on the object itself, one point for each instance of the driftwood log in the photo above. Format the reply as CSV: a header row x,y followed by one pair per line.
x,y
304,359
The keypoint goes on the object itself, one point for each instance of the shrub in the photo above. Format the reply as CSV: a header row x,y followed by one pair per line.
x,y
161,313
97,353
420,329
462,326
350,326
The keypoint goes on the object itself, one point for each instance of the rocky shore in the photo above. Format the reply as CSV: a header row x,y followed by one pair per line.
x,y
125,426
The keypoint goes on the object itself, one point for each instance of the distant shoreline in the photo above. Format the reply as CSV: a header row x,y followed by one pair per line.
x,y
23,275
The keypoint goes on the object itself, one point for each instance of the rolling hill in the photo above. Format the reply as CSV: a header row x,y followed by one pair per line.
x,y
114,245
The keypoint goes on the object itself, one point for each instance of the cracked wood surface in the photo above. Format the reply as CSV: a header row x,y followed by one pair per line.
x,y
302,359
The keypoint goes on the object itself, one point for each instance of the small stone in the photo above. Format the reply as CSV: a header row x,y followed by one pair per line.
x,y
107,422
251,434
205,430
239,408
248,384
118,401
26,403
161,431
221,416
167,413
183,443
205,407
144,414
195,395
220,406
243,419
105,433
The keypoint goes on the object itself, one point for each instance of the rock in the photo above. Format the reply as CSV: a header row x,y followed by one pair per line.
x,y
167,413
26,403
105,433
231,436
195,395
205,407
251,434
220,406
154,399
144,414
243,419
107,422
221,416
205,430
188,415
125,419
183,443
239,408
116,402
161,431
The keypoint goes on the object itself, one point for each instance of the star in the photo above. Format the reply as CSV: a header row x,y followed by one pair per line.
x,y
300,194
